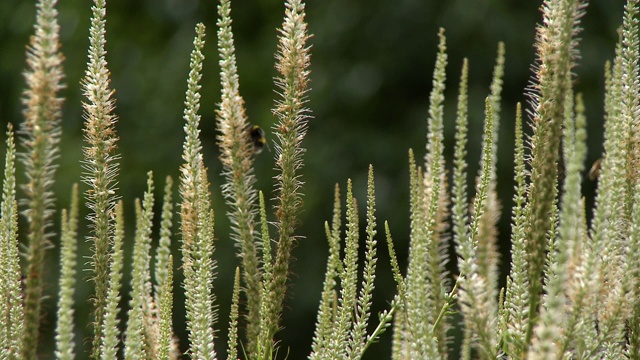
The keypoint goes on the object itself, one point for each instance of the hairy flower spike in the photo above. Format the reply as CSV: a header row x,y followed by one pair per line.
x,y
341,329
236,155
460,215
436,200
516,298
476,299
68,238
630,99
460,210
610,234
358,341
12,326
110,324
41,135
488,254
138,337
325,319
348,280
100,163
292,64
163,251
556,52
232,342
196,220
552,334
166,345
416,337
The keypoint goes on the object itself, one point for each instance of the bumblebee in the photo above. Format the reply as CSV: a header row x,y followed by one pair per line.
x,y
258,139
594,172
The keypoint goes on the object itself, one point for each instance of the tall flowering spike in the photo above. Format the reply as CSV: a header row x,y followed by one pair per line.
x,y
435,187
398,344
459,197
347,300
110,325
232,340
41,134
630,98
292,65
167,347
68,259
359,336
459,213
556,55
196,219
611,234
488,257
434,157
343,319
634,248
11,308
477,302
554,332
264,345
435,135
163,251
514,320
325,318
100,163
163,276
140,334
621,136
236,155
418,339
633,185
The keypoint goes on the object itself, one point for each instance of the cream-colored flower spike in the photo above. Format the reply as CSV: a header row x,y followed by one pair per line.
x,y
41,135
237,154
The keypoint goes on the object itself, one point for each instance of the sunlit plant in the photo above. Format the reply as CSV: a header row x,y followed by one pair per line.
x,y
572,291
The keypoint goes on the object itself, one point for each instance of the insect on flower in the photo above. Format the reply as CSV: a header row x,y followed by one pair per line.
x,y
258,138
594,172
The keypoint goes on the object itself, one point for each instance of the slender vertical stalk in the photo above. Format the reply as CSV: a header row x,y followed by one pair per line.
x,y
41,135
12,326
232,340
515,321
556,51
358,341
418,337
100,164
110,325
237,155
488,253
139,338
326,315
561,276
166,348
163,252
435,193
196,219
69,248
476,299
292,65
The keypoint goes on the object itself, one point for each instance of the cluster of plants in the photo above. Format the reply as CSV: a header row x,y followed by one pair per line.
x,y
573,288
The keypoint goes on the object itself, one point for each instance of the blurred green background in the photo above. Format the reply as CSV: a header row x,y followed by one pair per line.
x,y
371,70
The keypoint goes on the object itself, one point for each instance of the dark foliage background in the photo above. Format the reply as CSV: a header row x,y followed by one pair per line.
x,y
371,77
